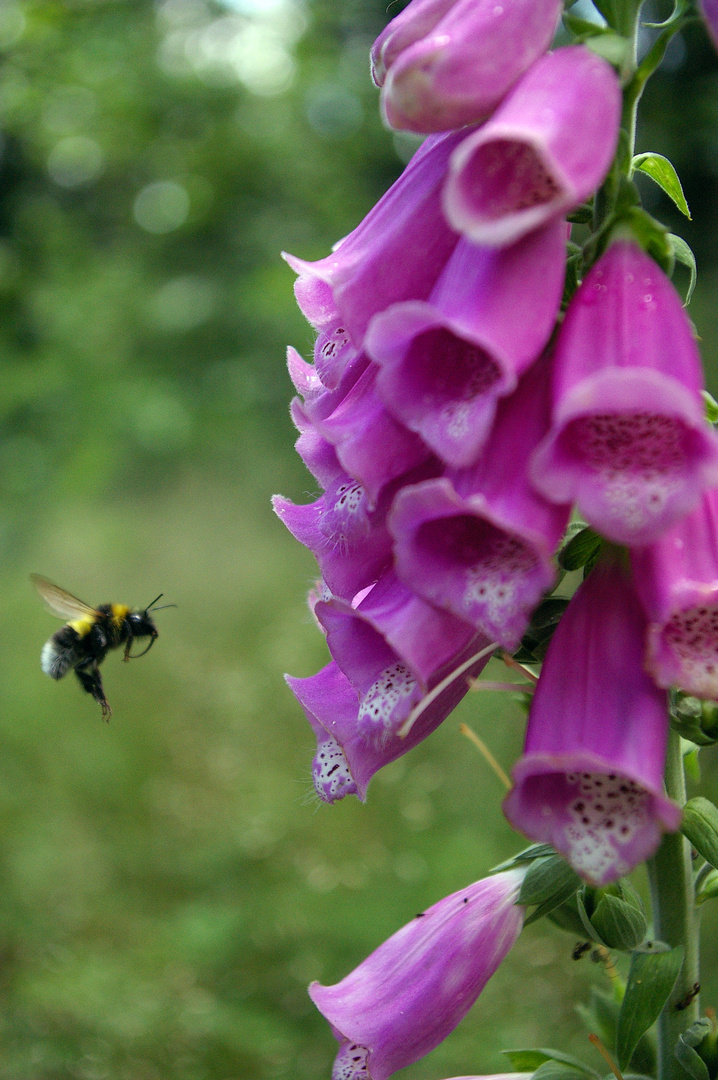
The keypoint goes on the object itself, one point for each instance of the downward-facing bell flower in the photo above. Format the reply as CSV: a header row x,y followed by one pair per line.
x,y
405,998
443,73
547,147
480,541
677,581
346,759
396,253
629,441
590,781
446,361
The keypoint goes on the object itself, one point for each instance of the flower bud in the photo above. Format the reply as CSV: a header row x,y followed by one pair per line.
x,y
454,71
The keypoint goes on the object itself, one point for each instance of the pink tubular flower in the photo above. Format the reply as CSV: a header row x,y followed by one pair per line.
x,y
479,542
677,581
405,998
591,778
346,760
455,71
629,441
446,361
396,253
526,164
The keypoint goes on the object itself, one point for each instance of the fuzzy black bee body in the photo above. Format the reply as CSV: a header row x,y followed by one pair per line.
x,y
90,633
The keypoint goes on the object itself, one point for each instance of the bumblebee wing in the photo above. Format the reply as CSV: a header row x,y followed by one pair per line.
x,y
59,602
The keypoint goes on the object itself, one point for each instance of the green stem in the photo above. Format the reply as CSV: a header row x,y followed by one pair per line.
x,y
675,920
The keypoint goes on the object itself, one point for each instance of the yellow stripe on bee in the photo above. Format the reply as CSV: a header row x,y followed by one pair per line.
x,y
119,614
82,627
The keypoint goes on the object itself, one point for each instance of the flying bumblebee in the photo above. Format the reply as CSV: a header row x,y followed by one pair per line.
x,y
89,634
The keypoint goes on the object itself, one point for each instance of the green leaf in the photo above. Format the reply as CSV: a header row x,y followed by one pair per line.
x,y
685,1051
683,254
662,172
548,883
708,889
582,29
579,549
650,980
700,826
620,924
529,1060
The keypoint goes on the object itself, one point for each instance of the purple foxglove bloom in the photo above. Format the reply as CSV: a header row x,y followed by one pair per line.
x,y
345,760
527,163
405,998
348,538
445,362
396,253
629,442
393,647
461,68
591,778
479,541
710,14
319,401
677,581
370,444
392,625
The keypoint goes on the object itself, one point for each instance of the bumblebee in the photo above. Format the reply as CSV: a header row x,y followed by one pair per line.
x,y
88,636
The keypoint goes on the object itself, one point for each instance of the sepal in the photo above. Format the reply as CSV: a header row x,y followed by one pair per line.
x,y
549,882
700,827
614,915
708,888
694,719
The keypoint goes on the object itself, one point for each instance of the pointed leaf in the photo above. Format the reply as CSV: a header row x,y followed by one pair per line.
x,y
650,981
700,826
683,254
534,851
662,172
711,407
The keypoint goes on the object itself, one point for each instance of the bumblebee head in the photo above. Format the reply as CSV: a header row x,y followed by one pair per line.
x,y
143,625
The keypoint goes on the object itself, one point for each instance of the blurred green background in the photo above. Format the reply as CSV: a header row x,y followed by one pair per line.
x,y
169,886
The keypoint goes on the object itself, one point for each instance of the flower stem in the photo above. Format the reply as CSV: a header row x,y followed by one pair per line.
x,y
675,920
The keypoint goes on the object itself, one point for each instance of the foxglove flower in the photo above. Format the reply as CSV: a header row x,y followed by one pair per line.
x,y
591,778
346,760
455,71
405,998
445,362
677,581
393,631
526,164
479,542
396,253
629,441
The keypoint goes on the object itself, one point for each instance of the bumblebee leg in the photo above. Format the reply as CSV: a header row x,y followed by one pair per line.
x,y
128,646
91,681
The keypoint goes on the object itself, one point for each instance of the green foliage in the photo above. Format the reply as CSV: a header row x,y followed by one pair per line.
x,y
700,826
651,978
